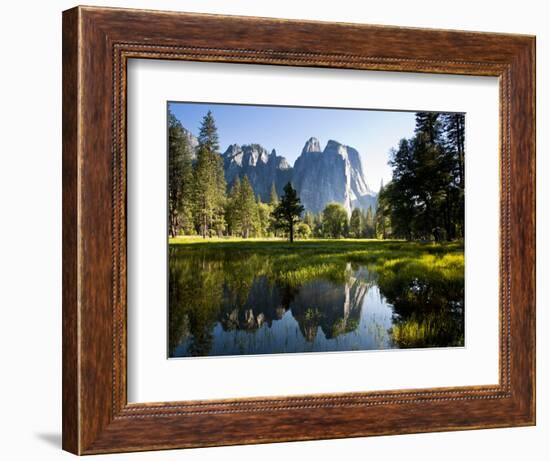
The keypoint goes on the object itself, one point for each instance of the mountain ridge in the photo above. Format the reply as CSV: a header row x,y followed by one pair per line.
x,y
320,176
334,174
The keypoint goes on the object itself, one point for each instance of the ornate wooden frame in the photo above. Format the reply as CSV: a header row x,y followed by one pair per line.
x,y
97,43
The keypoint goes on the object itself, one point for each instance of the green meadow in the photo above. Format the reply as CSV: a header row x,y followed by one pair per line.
x,y
420,284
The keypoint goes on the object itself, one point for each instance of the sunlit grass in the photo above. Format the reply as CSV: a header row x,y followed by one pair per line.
x,y
429,331
422,282
395,261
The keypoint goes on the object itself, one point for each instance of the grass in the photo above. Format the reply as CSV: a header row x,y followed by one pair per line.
x,y
360,250
424,282
429,331
305,260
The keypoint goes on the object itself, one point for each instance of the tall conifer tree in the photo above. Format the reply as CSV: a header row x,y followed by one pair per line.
x,y
209,186
248,209
180,171
287,213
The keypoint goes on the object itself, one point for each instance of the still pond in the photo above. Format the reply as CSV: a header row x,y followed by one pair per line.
x,y
266,298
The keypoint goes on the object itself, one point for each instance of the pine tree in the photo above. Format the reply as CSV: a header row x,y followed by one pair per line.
x,y
453,143
382,217
180,178
209,181
454,129
248,210
264,218
287,212
208,134
403,192
425,198
232,216
204,191
356,223
429,124
218,221
185,210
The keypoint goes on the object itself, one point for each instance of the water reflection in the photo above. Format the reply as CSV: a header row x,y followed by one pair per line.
x,y
232,303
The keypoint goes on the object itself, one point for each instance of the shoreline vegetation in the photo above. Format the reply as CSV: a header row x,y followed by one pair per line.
x,y
422,282
425,259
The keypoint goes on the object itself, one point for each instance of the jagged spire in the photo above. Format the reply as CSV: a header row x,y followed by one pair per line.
x,y
312,145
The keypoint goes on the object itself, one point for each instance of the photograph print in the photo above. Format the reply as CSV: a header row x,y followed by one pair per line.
x,y
305,229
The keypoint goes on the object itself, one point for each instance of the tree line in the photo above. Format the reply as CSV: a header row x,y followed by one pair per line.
x,y
199,202
334,222
425,198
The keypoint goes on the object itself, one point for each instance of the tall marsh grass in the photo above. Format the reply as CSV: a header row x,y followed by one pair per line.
x,y
423,282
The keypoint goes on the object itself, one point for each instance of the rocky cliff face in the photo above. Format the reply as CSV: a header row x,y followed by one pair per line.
x,y
332,175
262,168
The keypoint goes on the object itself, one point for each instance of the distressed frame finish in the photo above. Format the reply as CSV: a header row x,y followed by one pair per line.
x,y
97,43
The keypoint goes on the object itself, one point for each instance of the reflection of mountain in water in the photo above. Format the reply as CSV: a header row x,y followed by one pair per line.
x,y
264,303
242,304
335,308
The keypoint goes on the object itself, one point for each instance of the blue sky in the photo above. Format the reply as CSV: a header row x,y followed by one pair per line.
x,y
286,129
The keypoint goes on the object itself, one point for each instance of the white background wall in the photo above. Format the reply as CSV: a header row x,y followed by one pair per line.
x,y
30,227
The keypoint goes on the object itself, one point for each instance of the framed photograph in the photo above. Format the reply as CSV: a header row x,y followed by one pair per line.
x,y
282,230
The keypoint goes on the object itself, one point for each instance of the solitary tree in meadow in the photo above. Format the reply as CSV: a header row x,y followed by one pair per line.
x,y
288,210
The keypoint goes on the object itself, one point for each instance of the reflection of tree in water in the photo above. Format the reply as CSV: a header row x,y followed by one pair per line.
x,y
243,291
193,302
428,309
